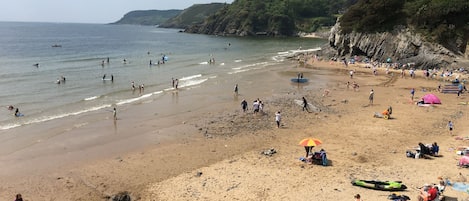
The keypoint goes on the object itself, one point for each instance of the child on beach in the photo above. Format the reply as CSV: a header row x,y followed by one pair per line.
x,y
357,197
371,97
278,118
412,93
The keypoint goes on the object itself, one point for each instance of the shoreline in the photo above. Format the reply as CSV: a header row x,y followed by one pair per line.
x,y
229,156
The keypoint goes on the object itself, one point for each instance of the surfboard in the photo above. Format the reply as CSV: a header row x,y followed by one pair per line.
x,y
107,79
311,107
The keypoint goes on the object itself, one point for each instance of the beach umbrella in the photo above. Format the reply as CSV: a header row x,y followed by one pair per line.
x,y
310,142
431,99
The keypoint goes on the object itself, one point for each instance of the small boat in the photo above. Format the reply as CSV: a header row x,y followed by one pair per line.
x,y
380,185
299,80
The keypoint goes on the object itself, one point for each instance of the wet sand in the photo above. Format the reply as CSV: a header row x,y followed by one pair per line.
x,y
178,148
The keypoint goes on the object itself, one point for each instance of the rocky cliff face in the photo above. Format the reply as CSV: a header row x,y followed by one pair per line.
x,y
401,45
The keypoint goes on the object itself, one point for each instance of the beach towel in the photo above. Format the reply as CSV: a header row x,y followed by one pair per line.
x,y
459,186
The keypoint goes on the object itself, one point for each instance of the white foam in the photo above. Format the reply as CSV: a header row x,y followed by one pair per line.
x,y
191,77
91,98
48,118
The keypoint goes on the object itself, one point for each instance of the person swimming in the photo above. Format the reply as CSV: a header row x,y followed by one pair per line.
x,y
17,113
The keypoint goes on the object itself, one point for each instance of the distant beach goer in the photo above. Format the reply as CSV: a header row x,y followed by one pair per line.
x,y
107,60
255,106
278,118
412,93
11,107
125,61
36,64
172,79
17,112
104,76
236,89
176,83
450,127
112,78
114,113
351,74
371,97
305,104
244,105
357,197
133,85
18,197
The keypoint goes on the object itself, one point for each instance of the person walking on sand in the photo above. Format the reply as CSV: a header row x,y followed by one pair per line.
x,y
351,74
244,105
371,97
450,127
412,93
114,113
305,104
18,197
278,118
236,89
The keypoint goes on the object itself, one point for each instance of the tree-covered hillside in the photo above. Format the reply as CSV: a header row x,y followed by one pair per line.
x,y
272,17
148,17
192,15
443,21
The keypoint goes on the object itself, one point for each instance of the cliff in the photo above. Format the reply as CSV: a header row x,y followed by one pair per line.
x,y
148,17
192,15
401,45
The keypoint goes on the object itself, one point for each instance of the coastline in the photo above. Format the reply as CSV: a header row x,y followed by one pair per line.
x,y
222,143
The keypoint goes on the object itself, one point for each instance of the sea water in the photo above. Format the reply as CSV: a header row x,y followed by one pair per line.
x,y
79,52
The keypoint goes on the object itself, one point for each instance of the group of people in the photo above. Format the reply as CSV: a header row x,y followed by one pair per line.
x,y
430,192
175,83
140,87
17,111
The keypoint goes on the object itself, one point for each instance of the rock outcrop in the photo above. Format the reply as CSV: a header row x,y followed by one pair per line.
x,y
402,46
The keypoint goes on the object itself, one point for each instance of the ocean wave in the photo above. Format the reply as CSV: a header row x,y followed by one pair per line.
x,y
131,100
91,98
281,56
189,83
190,77
250,65
52,117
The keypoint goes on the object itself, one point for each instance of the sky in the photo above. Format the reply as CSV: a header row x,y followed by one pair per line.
x,y
85,11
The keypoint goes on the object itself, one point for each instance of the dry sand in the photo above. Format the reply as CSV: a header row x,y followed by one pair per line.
x,y
217,155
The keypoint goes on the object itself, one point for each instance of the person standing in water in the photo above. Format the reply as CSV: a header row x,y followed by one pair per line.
x,y
17,112
236,89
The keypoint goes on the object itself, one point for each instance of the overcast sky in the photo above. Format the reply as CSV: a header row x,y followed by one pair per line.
x,y
85,11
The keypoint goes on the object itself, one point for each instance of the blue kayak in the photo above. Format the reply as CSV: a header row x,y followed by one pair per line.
x,y
299,80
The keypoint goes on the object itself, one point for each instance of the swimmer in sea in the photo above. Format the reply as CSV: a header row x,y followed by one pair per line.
x,y
104,76
11,107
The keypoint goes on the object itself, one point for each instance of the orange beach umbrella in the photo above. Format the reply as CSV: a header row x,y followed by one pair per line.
x,y
310,142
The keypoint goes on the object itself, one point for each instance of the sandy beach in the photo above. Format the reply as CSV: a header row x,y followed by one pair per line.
x,y
214,153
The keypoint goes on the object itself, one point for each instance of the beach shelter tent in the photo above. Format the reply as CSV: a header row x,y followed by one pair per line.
x,y
464,161
431,99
